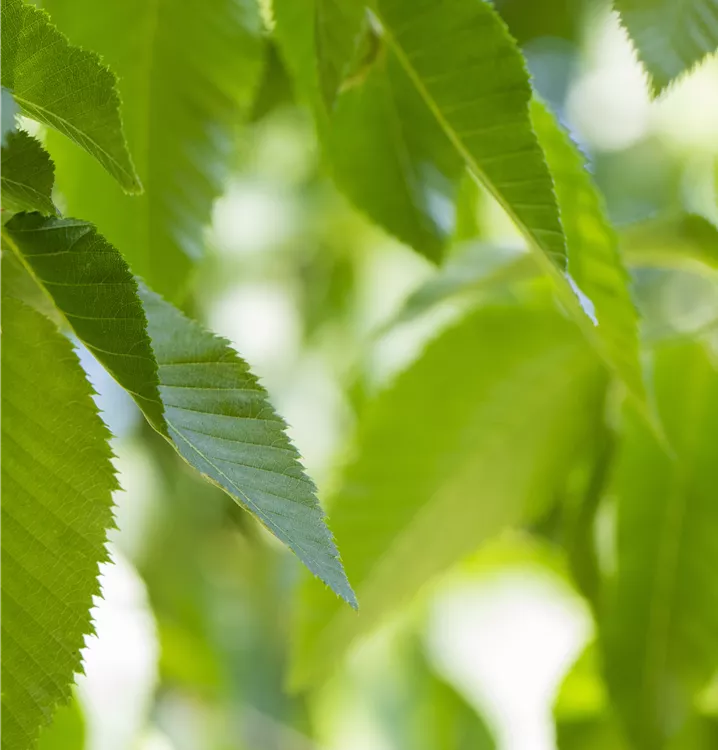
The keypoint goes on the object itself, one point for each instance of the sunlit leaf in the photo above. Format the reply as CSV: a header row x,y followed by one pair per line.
x,y
187,70
472,437
91,285
64,87
57,481
28,175
67,731
222,424
659,631
671,36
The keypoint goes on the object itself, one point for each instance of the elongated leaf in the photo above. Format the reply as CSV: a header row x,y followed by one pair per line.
x,y
338,28
472,76
470,438
671,36
188,70
28,175
383,146
64,87
91,285
659,633
9,111
594,263
222,424
57,481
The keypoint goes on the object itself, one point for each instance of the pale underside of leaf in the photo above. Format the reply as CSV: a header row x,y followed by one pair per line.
x,y
90,284
188,70
57,481
64,87
659,634
28,175
221,422
431,479
670,36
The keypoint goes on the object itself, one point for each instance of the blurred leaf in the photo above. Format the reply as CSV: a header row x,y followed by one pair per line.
x,y
28,175
467,225
670,36
188,71
275,87
91,285
391,158
471,438
64,87
594,263
222,424
67,731
338,28
57,480
9,110
659,629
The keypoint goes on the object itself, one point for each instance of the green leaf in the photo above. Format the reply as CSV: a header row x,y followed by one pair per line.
x,y
473,436
28,175
90,284
9,111
188,70
339,25
390,157
67,731
662,616
594,263
222,424
57,480
64,87
472,77
671,36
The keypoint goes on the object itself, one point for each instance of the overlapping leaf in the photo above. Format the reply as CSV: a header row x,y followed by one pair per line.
x,y
187,70
57,481
670,36
472,436
91,285
659,633
28,175
64,87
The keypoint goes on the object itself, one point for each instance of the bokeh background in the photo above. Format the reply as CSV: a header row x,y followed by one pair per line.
x,y
195,626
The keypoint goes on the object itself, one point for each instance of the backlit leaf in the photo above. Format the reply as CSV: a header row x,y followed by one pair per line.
x,y
28,175
57,481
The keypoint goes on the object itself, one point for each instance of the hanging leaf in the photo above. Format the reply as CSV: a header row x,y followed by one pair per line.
x,y
670,37
91,285
471,438
64,87
188,70
57,481
28,175
659,631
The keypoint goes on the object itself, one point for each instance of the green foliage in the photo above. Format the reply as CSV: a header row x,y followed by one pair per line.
x,y
670,37
42,70
90,283
57,482
447,422
658,632
28,175
221,423
187,74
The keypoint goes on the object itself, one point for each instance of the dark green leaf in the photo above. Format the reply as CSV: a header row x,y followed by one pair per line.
x,y
339,24
9,111
28,175
64,87
57,481
671,36
91,285
469,439
187,70
222,424
659,632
